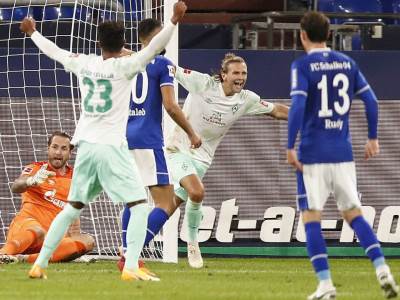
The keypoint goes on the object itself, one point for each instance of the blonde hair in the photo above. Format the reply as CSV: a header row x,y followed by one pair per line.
x,y
226,61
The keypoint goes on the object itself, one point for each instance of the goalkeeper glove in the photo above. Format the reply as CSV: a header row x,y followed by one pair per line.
x,y
40,176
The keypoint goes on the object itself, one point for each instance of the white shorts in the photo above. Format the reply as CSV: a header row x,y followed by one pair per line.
x,y
152,165
337,179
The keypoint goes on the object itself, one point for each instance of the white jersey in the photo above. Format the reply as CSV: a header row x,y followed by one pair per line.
x,y
211,113
105,87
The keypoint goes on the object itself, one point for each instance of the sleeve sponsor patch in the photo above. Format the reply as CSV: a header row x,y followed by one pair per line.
x,y
187,71
74,55
171,71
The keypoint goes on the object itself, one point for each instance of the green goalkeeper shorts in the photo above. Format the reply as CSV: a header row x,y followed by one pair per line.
x,y
110,168
182,165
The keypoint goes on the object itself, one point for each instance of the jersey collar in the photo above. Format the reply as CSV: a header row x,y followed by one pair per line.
x,y
319,50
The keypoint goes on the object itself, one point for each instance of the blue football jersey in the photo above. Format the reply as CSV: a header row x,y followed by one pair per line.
x,y
329,80
144,130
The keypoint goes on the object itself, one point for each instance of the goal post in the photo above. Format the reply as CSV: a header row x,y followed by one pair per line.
x,y
38,97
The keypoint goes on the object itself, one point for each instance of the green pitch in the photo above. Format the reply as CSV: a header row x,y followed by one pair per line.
x,y
220,279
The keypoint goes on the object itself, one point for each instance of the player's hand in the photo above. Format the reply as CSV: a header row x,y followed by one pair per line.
x,y
179,11
28,26
293,161
40,176
371,148
195,141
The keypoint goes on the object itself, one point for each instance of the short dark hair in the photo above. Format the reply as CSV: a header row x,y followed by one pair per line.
x,y
147,26
316,25
110,35
61,134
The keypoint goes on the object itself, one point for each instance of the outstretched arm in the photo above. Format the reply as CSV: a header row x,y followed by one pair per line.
x,y
280,111
176,113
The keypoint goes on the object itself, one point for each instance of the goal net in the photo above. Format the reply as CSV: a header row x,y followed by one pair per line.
x,y
38,97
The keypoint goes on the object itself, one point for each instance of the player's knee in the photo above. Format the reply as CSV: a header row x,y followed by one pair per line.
x,y
196,195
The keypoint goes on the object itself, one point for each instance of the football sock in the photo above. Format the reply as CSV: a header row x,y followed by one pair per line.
x,y
368,240
156,221
135,235
194,216
56,232
317,252
125,221
19,242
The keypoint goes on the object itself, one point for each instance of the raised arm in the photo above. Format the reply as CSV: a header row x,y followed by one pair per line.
x,y
137,62
28,26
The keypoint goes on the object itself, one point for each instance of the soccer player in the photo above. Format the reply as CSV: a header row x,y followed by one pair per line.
x,y
44,186
323,84
213,104
153,89
103,160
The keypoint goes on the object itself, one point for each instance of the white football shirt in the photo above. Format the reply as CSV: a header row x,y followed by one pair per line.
x,y
211,113
105,86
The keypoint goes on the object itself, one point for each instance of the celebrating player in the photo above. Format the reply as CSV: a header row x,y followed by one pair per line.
x,y
103,160
213,104
44,187
153,89
324,83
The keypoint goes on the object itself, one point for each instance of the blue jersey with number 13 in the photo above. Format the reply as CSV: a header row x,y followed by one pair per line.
x,y
329,80
144,130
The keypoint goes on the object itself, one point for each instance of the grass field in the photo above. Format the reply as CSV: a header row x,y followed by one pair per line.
x,y
221,278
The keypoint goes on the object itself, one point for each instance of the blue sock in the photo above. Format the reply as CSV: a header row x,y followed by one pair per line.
x,y
125,221
156,221
316,249
368,240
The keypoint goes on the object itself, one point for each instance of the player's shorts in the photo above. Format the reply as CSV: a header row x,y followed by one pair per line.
x,y
23,223
323,180
152,165
107,167
182,165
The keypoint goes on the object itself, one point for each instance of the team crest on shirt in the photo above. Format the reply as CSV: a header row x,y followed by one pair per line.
x,y
235,108
185,166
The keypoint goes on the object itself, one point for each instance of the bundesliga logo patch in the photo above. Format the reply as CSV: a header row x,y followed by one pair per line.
x,y
27,170
265,103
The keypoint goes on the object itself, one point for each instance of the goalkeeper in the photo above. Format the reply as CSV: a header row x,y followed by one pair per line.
x,y
44,187
103,160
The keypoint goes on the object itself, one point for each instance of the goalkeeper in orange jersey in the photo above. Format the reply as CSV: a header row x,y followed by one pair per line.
x,y
44,186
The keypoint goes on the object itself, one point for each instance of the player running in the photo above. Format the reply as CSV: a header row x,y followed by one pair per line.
x,y
44,186
103,160
213,105
324,83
